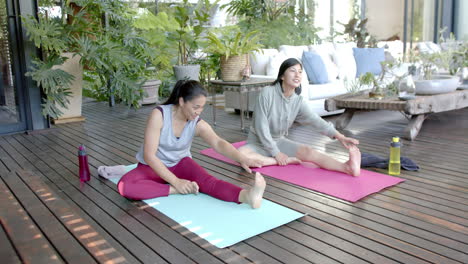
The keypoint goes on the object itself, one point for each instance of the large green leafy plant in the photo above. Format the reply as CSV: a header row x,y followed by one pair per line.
x,y
154,29
278,23
230,41
101,32
191,24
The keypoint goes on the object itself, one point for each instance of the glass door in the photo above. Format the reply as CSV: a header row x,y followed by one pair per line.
x,y
11,96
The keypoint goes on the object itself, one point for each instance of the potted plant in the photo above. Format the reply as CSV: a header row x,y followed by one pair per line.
x,y
431,81
233,48
100,33
153,29
191,22
356,31
385,84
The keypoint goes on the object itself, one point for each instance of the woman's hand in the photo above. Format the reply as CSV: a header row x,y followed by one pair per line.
x,y
185,187
246,163
281,158
346,141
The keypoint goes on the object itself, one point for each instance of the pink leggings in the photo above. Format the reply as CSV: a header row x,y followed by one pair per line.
x,y
143,183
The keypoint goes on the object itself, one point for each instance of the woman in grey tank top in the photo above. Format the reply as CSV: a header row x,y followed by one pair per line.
x,y
165,165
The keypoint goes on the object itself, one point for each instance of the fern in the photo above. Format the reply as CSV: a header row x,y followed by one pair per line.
x,y
232,42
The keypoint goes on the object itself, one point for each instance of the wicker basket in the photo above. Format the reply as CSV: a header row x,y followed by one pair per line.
x,y
231,69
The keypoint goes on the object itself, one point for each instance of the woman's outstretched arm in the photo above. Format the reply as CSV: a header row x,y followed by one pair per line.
x,y
223,147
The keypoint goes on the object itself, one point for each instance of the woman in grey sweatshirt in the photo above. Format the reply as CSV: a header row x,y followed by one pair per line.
x,y
277,108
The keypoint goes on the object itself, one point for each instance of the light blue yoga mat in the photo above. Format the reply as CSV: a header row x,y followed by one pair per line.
x,y
221,223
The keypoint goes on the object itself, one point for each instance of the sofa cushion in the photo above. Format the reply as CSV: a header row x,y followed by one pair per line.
x,y
393,49
368,60
325,90
259,60
314,67
345,61
327,51
293,51
274,63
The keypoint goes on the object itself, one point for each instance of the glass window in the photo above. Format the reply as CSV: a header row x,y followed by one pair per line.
x,y
423,20
9,112
322,18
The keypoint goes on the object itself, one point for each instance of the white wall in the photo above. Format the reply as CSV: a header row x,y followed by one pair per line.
x,y
385,18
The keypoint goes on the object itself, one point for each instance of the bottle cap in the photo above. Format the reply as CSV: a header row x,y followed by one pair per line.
x,y
395,139
81,150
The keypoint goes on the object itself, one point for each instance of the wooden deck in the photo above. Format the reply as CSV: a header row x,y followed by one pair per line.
x,y
47,217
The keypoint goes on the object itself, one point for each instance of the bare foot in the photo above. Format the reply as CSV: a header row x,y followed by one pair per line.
x,y
256,192
294,160
353,165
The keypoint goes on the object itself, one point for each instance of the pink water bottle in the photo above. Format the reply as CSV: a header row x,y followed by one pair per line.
x,y
84,167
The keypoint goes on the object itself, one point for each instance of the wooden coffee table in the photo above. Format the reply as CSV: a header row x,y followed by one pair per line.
x,y
417,108
243,88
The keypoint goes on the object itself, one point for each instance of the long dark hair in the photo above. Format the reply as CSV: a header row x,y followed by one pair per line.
x,y
284,66
187,89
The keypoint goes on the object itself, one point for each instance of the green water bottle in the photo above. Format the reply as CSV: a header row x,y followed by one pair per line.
x,y
394,162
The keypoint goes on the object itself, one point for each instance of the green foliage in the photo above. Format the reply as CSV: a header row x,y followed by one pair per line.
x,y
355,30
278,23
154,29
209,68
191,24
46,35
454,54
452,57
165,88
254,10
377,83
367,78
114,56
55,83
231,41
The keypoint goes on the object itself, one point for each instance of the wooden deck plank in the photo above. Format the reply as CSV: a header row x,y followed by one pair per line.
x,y
458,228
199,255
313,208
424,219
84,231
7,250
230,257
85,201
28,240
65,244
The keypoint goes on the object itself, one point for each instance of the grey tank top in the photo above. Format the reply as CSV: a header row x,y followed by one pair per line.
x,y
172,149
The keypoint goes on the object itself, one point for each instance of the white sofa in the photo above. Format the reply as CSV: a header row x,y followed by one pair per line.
x,y
339,62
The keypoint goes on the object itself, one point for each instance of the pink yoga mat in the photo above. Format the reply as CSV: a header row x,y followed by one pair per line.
x,y
333,183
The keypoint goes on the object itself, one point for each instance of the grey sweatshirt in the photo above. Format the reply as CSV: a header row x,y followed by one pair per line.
x,y
274,114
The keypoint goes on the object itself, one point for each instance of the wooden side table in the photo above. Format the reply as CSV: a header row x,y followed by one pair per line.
x,y
243,88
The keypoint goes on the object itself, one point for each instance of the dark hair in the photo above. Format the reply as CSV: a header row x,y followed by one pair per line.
x,y
187,89
284,66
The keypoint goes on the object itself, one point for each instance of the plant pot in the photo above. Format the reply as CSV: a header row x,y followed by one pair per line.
x,y
151,90
73,111
437,85
231,68
186,72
